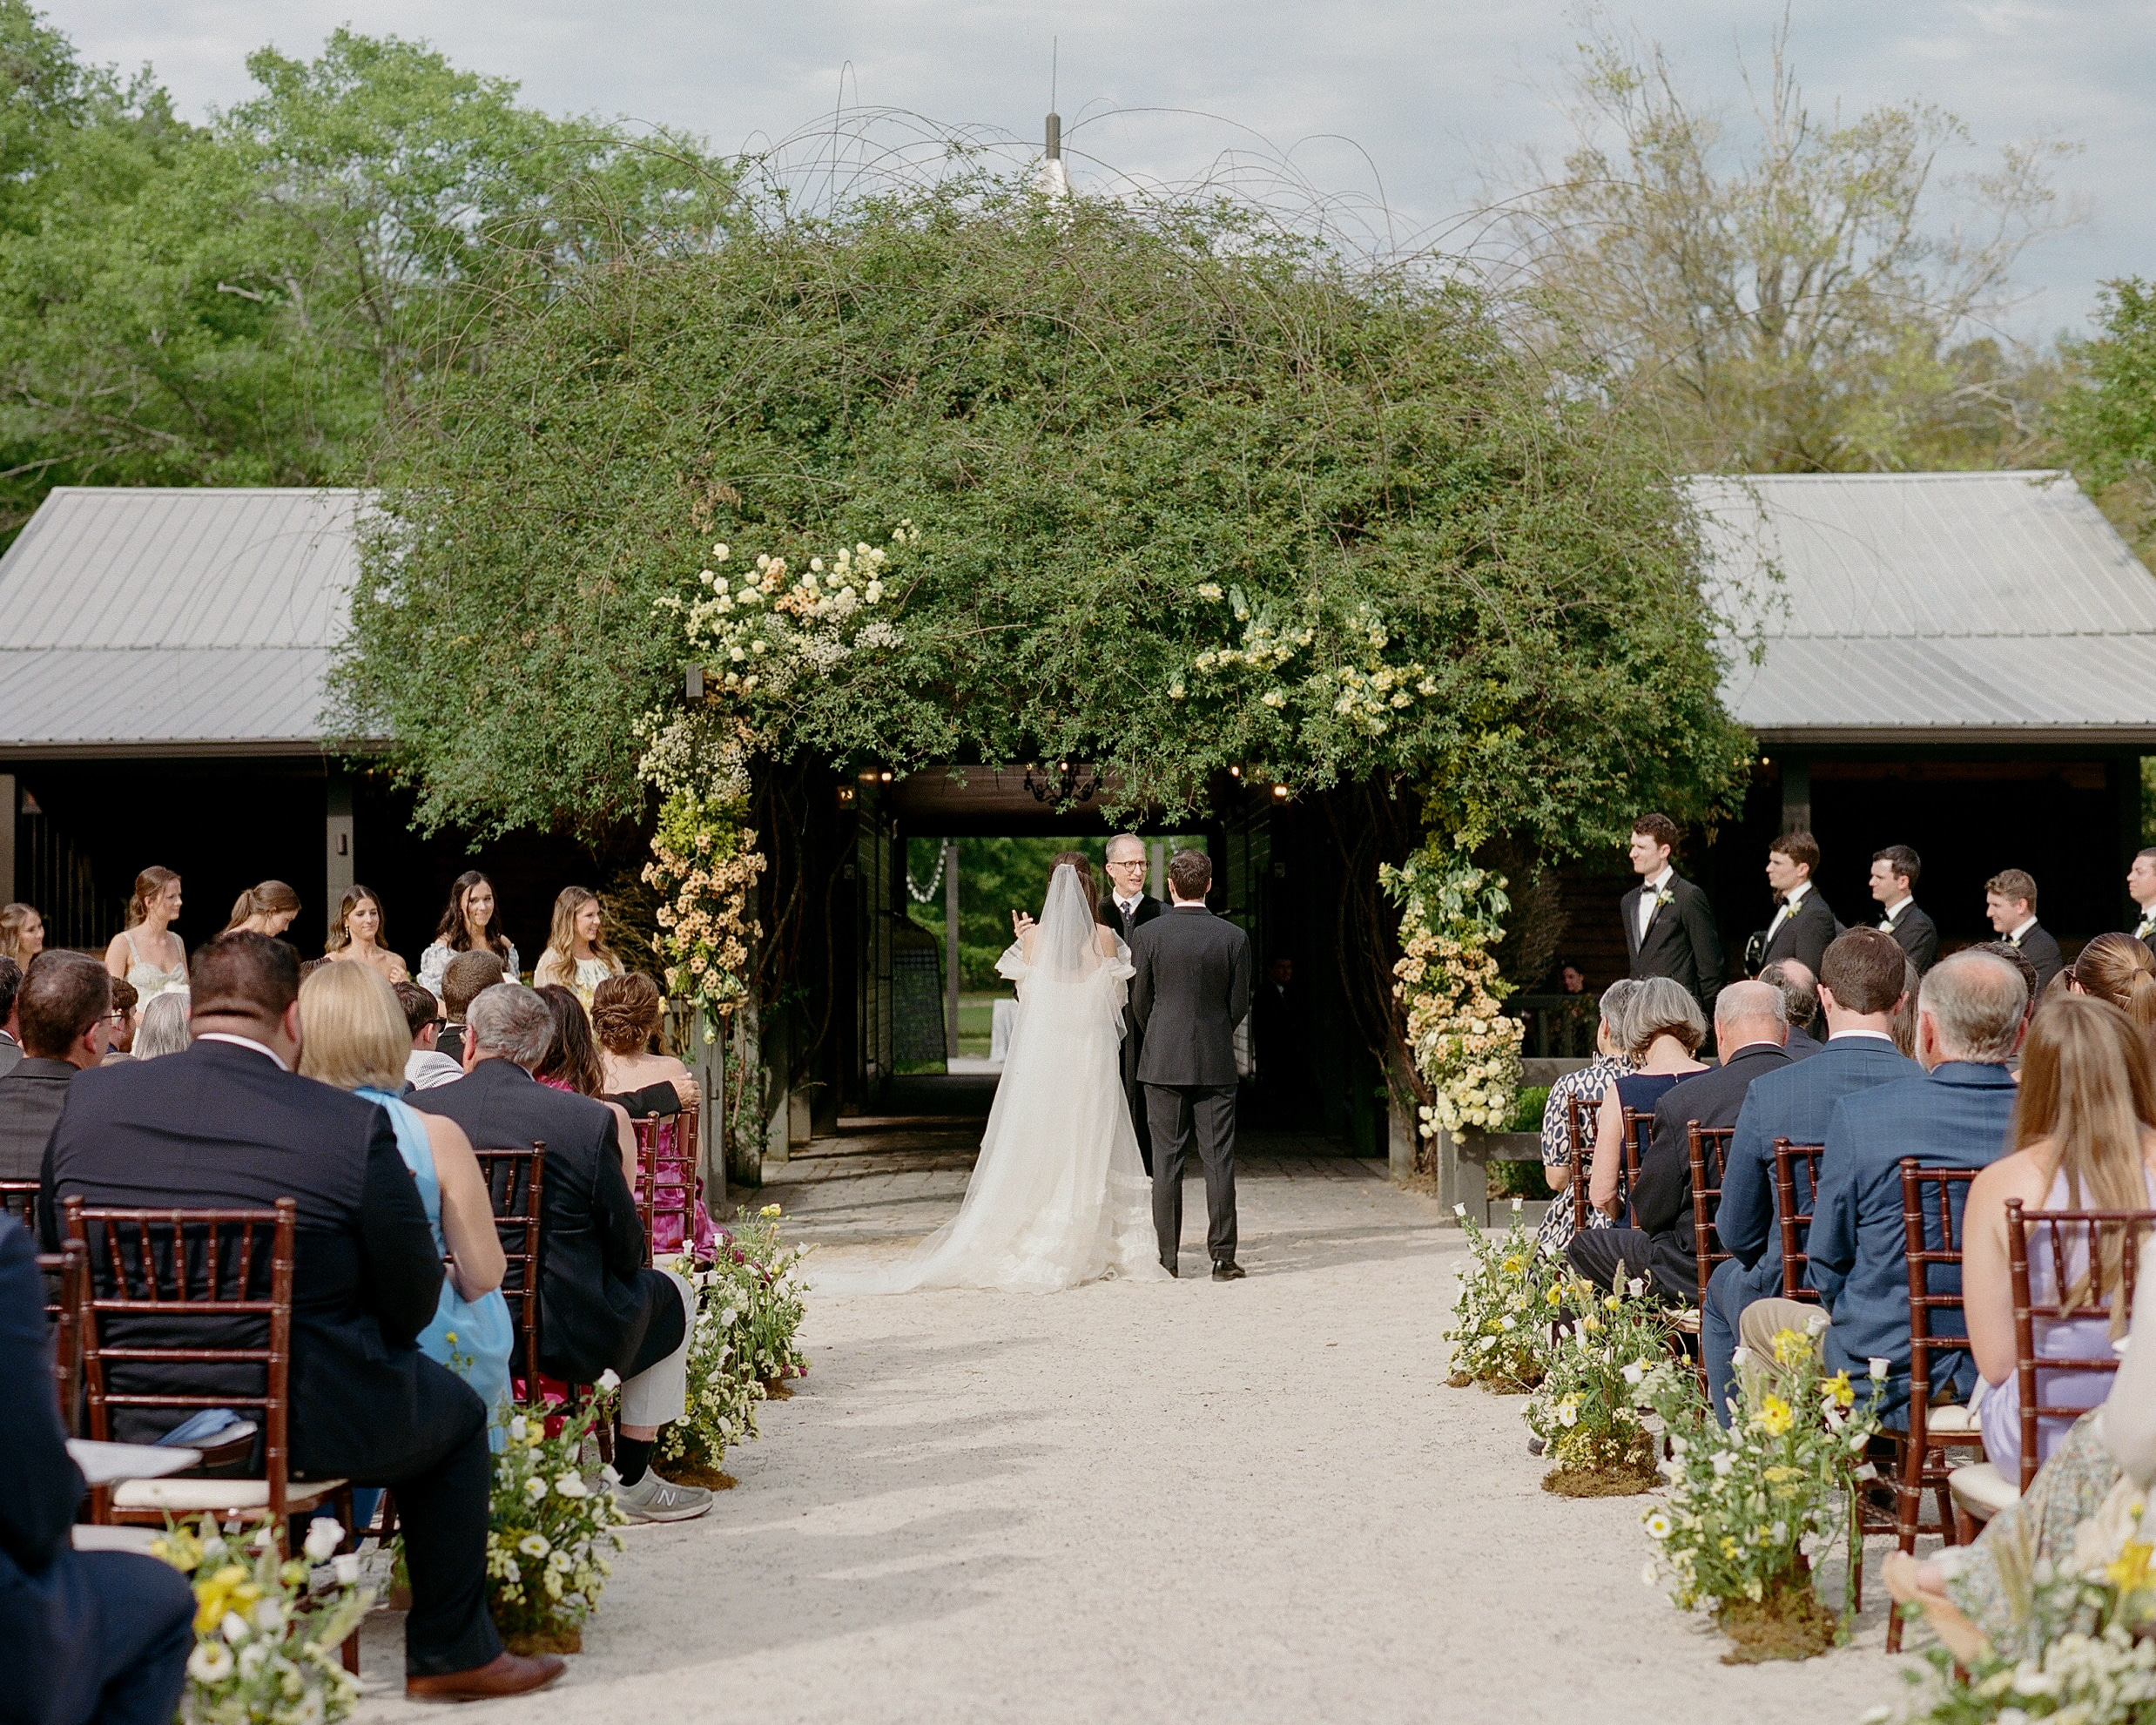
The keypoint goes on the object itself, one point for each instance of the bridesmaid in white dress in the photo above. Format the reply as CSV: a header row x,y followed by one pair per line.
x,y
578,957
468,925
146,954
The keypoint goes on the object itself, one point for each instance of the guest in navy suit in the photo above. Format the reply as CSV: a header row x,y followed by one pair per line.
x,y
1861,987
89,1635
1968,1024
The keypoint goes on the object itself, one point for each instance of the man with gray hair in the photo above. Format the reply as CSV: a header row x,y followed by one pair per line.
x,y
1968,1025
601,1309
1749,1028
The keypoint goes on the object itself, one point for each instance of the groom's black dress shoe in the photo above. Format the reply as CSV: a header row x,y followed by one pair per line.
x,y
1228,1270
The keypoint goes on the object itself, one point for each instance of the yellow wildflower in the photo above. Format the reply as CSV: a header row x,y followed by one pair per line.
x,y
1792,1348
2129,1571
1772,1416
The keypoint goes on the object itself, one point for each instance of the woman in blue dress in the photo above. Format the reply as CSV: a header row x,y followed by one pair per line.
x,y
353,1034
1664,1027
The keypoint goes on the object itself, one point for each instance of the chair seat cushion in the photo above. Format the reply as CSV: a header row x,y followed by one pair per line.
x,y
86,1537
1948,1420
1982,1490
198,1497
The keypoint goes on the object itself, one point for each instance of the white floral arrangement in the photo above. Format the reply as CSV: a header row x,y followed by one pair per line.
x,y
1463,1044
551,1532
267,1647
1501,1313
1750,1506
1590,1408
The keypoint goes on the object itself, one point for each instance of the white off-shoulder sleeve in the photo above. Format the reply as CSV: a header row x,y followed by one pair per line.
x,y
1012,967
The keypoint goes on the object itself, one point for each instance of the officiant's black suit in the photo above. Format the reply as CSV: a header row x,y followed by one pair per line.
x,y
1681,941
220,1126
1191,988
1144,912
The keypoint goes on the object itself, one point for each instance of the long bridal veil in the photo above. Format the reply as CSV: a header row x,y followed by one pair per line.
x,y
1060,1194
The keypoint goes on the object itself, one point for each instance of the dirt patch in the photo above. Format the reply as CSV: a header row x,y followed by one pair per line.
x,y
777,1390
1626,1479
1789,1623
695,1473
562,1638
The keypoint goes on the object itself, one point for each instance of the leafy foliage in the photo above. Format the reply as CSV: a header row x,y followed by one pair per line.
x,y
1498,1320
549,1528
1098,413
2107,419
1588,1407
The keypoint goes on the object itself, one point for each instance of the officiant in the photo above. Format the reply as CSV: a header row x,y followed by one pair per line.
x,y
1127,908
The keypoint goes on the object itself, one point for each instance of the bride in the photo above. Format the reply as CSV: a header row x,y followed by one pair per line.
x,y
1059,1195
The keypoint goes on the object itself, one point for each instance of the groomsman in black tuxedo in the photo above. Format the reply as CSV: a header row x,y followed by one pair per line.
x,y
1894,872
1127,908
2141,887
1802,927
1669,926
2009,902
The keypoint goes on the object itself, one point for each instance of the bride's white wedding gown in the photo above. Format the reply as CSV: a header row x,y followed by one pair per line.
x,y
1060,1194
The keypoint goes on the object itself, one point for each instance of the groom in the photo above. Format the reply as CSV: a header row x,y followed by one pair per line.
x,y
1191,989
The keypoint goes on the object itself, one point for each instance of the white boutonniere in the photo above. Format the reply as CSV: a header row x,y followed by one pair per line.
x,y
1665,897
1886,925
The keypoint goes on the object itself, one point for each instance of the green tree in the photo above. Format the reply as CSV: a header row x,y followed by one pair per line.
x,y
2106,419
1794,295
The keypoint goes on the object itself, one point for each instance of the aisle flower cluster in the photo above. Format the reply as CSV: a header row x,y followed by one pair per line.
x,y
550,1530
1463,1044
1589,1407
267,1647
1749,1506
1501,1314
749,1306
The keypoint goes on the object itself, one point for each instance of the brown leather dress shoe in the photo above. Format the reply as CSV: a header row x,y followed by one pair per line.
x,y
508,1673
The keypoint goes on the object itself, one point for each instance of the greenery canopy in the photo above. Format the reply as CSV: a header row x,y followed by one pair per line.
x,y
1431,562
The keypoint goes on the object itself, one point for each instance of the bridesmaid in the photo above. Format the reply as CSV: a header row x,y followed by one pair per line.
x,y
146,953
22,933
267,908
356,934
578,957
469,925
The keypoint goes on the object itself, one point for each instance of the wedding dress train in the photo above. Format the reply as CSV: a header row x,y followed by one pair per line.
x,y
1060,1194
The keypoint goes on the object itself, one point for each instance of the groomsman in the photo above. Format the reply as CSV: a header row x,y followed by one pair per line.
x,y
2009,902
1127,908
2141,887
1669,927
1894,872
1802,927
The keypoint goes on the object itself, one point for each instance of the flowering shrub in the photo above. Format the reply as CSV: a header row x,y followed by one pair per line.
x,y
1462,1043
1588,1409
1744,1502
266,1652
2092,1611
549,1532
1501,1313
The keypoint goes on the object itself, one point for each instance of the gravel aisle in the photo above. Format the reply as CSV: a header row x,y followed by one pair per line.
x,y
1252,1501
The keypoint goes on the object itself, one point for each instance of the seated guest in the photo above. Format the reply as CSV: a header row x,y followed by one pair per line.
x,y
601,1309
11,1042
229,1124
1800,1000
572,1063
1894,872
624,1023
2009,903
1802,925
122,1022
424,1065
1864,980
464,979
90,1635
2117,968
62,1005
2084,1138
1969,1023
355,1035
1904,1028
1611,1062
1664,1026
164,1026
1749,1028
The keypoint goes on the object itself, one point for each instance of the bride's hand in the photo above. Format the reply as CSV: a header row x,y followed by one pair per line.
x,y
1020,923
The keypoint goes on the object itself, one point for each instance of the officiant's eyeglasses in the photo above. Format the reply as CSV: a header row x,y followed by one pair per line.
x,y
1130,862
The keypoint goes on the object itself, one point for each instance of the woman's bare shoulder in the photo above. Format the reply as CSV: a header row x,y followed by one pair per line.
x,y
1107,938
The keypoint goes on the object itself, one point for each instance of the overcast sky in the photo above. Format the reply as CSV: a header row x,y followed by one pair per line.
x,y
1408,98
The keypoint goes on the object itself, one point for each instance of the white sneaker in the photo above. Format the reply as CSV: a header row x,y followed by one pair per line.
x,y
652,1498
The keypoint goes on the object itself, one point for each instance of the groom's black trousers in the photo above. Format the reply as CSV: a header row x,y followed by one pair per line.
x,y
1177,1113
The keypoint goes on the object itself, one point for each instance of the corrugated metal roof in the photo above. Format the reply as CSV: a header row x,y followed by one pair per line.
x,y
1942,606
141,617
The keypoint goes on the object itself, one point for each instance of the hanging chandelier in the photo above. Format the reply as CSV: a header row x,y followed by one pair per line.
x,y
1068,784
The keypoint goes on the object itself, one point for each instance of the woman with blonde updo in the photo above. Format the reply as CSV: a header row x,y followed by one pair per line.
x,y
146,953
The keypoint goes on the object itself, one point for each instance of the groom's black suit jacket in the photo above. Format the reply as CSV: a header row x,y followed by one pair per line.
x,y
1144,912
1681,941
1191,989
